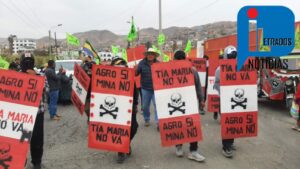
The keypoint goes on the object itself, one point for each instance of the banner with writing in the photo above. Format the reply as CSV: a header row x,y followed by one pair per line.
x,y
111,108
176,102
80,87
200,65
238,93
20,96
213,99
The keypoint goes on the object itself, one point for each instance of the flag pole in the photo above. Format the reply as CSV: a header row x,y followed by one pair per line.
x,y
160,27
134,45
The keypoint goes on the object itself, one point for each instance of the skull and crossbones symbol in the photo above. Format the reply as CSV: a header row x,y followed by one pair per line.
x,y
109,107
176,103
78,88
26,135
5,156
239,99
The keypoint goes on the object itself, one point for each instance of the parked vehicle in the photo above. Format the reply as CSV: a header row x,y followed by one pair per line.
x,y
66,80
280,84
68,65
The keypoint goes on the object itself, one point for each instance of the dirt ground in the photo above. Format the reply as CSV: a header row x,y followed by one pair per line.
x,y
276,147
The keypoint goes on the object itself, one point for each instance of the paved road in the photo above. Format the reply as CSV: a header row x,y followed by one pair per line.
x,y
276,147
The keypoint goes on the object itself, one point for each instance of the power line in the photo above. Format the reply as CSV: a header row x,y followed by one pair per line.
x,y
34,14
179,6
122,13
194,12
19,17
25,15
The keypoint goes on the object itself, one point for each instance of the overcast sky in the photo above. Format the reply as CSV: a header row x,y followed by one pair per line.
x,y
33,18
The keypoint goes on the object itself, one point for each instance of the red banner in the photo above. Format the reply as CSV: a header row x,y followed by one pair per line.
x,y
80,86
176,102
213,99
200,65
135,55
238,93
20,96
111,108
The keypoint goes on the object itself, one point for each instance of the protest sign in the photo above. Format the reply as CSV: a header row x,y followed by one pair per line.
x,y
20,96
80,86
111,108
135,55
238,95
213,100
200,65
176,102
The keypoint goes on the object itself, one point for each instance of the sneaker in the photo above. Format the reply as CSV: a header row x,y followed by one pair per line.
x,y
129,153
202,112
179,151
58,115
37,166
121,158
228,153
233,147
215,115
147,123
55,118
194,155
296,127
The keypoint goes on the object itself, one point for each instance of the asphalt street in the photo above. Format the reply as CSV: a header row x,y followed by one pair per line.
x,y
276,147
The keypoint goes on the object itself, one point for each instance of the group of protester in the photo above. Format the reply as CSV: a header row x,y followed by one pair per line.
x,y
147,96
52,85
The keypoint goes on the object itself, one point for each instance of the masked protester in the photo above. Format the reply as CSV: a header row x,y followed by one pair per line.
x,y
144,69
65,87
194,154
15,65
134,124
87,67
37,139
230,52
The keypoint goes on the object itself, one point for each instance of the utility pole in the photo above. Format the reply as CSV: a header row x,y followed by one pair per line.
x,y
50,48
56,52
160,26
49,42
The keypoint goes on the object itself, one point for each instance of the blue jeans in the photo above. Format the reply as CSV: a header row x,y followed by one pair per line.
x,y
53,95
147,96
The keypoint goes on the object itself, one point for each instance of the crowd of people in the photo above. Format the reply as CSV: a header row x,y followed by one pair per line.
x,y
54,82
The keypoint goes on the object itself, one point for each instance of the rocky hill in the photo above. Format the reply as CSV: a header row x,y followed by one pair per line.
x,y
104,38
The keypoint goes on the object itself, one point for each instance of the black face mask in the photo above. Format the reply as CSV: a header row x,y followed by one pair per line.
x,y
27,63
232,55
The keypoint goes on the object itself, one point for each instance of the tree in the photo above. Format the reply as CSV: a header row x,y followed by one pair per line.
x,y
11,43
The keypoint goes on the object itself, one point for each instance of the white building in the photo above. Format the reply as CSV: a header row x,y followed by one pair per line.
x,y
22,45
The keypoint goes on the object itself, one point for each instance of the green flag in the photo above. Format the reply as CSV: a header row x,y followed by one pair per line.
x,y
261,44
3,64
161,39
188,46
132,35
297,38
166,58
72,40
124,54
114,50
